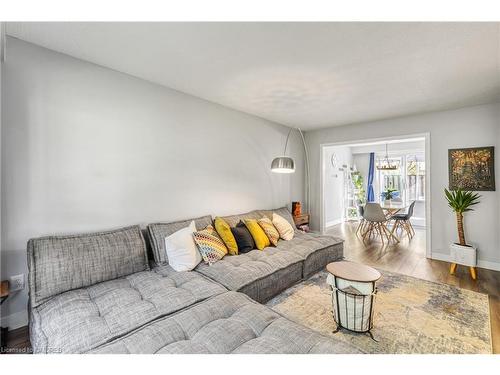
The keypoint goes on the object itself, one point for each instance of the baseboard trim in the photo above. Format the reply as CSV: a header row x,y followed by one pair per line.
x,y
440,256
488,265
494,266
333,222
16,320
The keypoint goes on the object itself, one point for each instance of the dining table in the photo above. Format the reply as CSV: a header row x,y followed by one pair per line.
x,y
390,208
393,207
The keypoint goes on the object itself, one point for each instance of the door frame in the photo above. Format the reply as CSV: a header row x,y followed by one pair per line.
x,y
427,140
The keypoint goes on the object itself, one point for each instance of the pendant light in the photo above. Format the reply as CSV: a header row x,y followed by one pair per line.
x,y
385,164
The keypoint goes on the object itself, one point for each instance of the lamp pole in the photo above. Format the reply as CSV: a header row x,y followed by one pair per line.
x,y
285,164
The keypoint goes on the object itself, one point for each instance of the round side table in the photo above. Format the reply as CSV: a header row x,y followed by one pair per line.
x,y
353,295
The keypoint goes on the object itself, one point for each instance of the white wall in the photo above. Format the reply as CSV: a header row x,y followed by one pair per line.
x,y
466,127
334,183
86,148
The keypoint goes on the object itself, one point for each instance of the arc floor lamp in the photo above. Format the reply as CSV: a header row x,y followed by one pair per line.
x,y
285,164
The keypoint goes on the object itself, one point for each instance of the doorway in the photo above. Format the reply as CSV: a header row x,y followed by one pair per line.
x,y
347,177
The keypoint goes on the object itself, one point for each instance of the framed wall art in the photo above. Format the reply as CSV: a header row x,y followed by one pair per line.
x,y
472,168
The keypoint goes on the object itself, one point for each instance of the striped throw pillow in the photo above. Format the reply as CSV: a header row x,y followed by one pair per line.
x,y
269,230
209,243
284,228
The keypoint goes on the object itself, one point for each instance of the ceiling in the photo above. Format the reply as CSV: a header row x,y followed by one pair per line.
x,y
307,75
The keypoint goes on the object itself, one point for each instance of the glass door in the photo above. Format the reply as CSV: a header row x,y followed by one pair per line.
x,y
408,180
415,177
392,179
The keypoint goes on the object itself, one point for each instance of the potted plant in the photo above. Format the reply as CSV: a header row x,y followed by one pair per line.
x,y
389,194
461,201
358,182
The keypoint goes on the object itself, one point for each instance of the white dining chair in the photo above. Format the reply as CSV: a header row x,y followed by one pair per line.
x,y
376,223
402,221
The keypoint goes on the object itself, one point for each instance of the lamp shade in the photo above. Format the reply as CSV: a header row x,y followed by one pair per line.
x,y
283,164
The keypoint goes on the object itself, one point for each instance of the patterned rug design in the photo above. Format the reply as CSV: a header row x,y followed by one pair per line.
x,y
411,315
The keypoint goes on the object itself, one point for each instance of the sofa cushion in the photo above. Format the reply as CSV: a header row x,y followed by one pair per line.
x,y
267,287
82,319
227,323
58,264
257,269
305,244
236,271
158,232
316,250
262,274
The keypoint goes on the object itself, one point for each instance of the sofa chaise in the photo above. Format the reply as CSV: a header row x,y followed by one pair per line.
x,y
96,293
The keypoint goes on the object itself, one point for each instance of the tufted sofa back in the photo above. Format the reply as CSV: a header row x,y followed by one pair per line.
x,y
57,264
258,214
158,231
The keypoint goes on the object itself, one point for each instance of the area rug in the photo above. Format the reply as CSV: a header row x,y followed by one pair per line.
x,y
410,316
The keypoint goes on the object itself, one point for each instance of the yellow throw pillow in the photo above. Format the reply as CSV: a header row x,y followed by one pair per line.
x,y
224,231
269,230
284,228
260,238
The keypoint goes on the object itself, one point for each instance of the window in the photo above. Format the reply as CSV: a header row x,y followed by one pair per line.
x,y
391,179
408,179
415,177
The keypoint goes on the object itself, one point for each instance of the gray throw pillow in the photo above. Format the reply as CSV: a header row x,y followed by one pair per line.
x,y
243,238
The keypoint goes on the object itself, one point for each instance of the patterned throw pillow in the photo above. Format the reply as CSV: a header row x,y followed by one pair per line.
x,y
259,236
283,226
209,243
224,231
270,230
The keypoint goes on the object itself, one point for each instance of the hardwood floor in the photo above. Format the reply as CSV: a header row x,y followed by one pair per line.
x,y
17,342
408,257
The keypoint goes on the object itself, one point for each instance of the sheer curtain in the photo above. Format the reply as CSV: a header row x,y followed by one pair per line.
x,y
370,195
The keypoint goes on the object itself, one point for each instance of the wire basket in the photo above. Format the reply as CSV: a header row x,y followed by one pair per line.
x,y
352,303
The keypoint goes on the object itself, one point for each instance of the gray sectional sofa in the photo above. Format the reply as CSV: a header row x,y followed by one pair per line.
x,y
97,293
259,274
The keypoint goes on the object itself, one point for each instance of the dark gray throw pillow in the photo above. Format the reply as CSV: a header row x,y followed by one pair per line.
x,y
243,238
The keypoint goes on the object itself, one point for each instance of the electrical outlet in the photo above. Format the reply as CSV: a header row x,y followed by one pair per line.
x,y
16,282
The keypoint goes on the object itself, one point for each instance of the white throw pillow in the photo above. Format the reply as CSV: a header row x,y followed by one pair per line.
x,y
182,253
283,226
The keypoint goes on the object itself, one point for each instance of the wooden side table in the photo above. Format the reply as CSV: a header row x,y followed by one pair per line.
x,y
4,293
4,290
302,219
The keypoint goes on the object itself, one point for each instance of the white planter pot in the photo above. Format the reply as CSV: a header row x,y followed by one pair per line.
x,y
465,255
